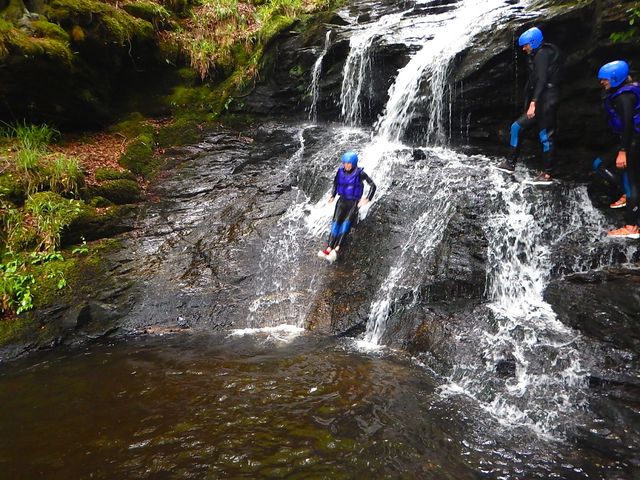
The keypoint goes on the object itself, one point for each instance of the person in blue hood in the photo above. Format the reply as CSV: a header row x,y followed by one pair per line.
x,y
622,105
542,96
348,184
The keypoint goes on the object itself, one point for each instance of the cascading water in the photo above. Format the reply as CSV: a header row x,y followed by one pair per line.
x,y
315,78
357,67
429,68
547,387
283,285
450,32
433,187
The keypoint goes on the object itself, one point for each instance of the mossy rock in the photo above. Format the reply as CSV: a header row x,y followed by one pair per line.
x,y
106,173
112,24
133,126
120,191
93,224
152,12
139,157
20,43
183,131
12,187
44,28
100,202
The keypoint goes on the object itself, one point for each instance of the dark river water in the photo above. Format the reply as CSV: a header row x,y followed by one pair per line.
x,y
191,406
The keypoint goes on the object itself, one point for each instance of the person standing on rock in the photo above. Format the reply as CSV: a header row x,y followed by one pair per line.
x,y
622,104
349,185
542,95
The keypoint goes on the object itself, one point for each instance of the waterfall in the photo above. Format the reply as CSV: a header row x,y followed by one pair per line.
x,y
357,68
450,33
429,69
547,388
433,187
315,78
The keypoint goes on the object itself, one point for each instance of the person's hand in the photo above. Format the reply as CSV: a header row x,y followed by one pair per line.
x,y
621,160
363,202
331,200
532,110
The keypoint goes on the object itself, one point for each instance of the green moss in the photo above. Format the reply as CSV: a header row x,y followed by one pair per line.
x,y
43,28
14,10
296,71
134,125
105,173
100,202
114,24
120,191
150,11
13,329
183,131
139,156
273,26
12,187
15,39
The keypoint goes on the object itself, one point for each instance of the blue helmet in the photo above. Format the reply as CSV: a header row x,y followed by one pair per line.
x,y
533,37
616,72
350,157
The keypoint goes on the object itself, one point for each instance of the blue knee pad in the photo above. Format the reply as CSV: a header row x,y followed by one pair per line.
x,y
345,227
545,140
596,164
515,133
335,229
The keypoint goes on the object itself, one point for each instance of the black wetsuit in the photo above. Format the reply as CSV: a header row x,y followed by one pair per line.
x,y
624,104
346,212
545,65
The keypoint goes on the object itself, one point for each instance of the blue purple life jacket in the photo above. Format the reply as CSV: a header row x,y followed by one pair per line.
x,y
616,122
350,185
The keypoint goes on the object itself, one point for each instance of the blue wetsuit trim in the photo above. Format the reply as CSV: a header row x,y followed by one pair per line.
x,y
596,164
626,184
544,139
515,133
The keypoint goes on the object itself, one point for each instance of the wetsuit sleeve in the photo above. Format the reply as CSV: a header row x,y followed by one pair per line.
x,y
624,105
372,186
541,64
334,191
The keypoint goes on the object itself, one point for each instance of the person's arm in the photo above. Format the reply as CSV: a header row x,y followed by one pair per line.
x,y
334,190
624,105
372,186
541,64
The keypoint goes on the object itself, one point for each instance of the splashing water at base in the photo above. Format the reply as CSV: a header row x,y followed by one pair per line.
x,y
547,388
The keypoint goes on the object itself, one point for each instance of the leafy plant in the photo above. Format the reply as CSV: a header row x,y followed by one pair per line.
x,y
62,281
15,285
82,249
44,257
631,33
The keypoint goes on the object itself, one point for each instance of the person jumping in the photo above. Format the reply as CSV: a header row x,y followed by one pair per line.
x,y
349,185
